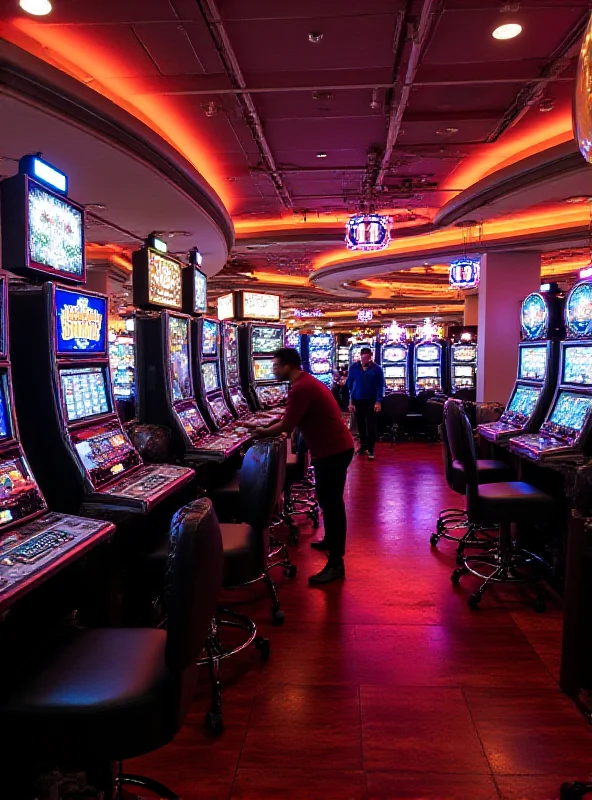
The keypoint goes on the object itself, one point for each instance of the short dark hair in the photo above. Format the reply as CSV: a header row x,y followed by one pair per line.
x,y
288,357
365,350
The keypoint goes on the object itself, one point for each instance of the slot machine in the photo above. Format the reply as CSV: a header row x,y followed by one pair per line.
x,y
321,357
259,342
81,455
237,402
395,365
565,434
165,385
294,339
542,327
428,366
34,542
462,361
123,373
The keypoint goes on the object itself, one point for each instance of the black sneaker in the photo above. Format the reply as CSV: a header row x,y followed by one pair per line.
x,y
362,451
321,545
328,574
370,455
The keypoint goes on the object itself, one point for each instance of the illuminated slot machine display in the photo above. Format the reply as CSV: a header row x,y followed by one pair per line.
x,y
165,384
73,437
34,542
428,366
542,327
294,340
395,365
565,432
321,357
257,342
122,361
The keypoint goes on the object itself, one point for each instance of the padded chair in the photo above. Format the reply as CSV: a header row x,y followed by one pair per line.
x,y
498,503
394,409
455,519
106,695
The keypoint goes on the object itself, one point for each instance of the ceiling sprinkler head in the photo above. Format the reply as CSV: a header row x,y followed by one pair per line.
x,y
315,37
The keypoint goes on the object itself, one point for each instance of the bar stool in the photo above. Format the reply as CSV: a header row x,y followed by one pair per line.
x,y
106,695
299,495
454,519
501,503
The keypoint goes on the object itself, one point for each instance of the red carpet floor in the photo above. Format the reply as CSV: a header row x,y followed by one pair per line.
x,y
388,686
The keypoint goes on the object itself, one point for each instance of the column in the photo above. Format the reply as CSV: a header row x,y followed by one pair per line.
x,y
506,279
471,309
97,278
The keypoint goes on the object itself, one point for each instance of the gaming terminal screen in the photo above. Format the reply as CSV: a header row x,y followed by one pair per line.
x,y
267,340
571,411
427,372
209,371
524,400
179,358
427,352
85,392
55,233
209,338
394,372
5,426
263,369
390,354
533,363
577,365
80,322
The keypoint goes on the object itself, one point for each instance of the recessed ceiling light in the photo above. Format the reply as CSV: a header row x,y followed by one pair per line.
x,y
38,8
508,31
584,198
321,155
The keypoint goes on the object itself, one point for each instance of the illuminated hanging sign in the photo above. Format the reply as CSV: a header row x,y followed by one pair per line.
x,y
365,315
464,273
226,306
394,333
256,305
367,232
307,312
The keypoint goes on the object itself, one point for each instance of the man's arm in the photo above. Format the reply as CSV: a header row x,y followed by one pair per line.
x,y
295,409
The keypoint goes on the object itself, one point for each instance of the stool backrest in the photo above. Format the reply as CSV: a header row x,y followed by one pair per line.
x,y
395,406
264,465
462,446
193,581
446,452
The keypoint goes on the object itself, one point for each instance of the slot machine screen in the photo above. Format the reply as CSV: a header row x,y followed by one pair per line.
x,y
320,366
394,354
193,424
577,365
533,363
219,410
571,411
19,494
85,392
209,338
179,358
109,452
267,340
321,341
5,426
80,322
524,400
209,370
428,352
427,372
465,352
164,281
263,369
231,355
200,296
394,372
55,234
463,372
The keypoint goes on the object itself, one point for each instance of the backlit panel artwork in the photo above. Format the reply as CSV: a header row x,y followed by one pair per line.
x,y
81,323
533,363
179,358
571,411
200,293
534,317
427,352
578,310
164,280
55,234
524,400
394,354
577,366
463,353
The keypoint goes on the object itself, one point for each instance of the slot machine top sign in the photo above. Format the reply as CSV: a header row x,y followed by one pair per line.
x,y
578,311
256,305
81,323
157,278
534,317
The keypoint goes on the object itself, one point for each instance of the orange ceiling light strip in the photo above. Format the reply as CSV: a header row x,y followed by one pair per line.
x,y
73,52
275,277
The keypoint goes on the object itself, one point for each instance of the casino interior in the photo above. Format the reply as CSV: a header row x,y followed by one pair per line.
x,y
188,186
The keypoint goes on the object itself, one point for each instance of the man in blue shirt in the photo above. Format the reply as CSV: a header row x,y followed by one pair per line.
x,y
366,385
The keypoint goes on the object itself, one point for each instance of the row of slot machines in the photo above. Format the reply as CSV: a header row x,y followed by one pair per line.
x,y
430,366
549,414
67,465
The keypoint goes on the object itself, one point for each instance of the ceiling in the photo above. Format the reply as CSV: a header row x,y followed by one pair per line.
x,y
412,103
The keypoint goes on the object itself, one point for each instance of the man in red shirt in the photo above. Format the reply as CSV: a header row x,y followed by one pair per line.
x,y
312,408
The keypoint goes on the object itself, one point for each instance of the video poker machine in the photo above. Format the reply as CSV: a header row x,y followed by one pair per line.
x,y
565,432
321,357
165,385
34,542
542,326
429,363
71,433
396,365
462,360
231,382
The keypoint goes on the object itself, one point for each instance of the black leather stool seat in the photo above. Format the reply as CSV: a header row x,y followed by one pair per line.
x,y
106,691
513,501
488,471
